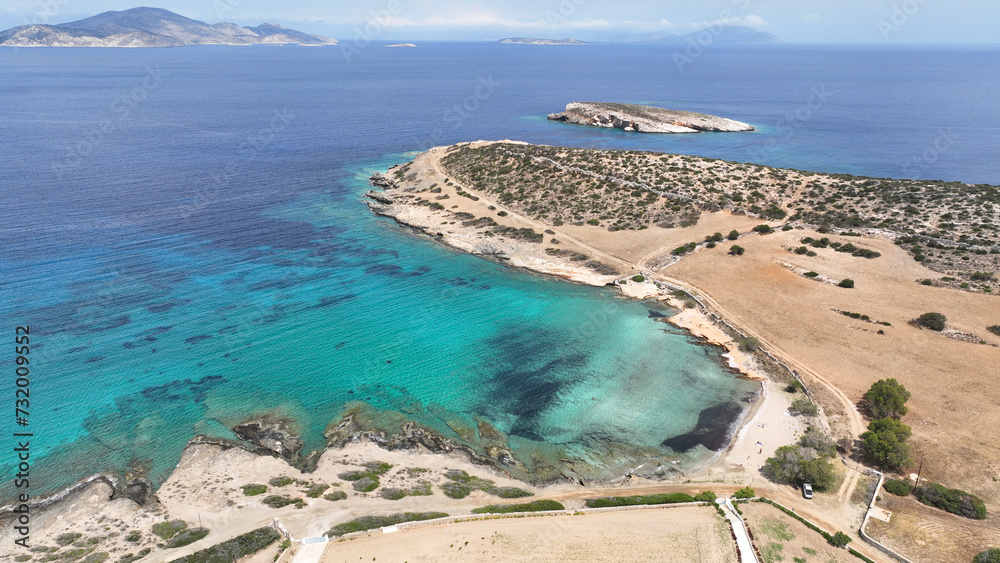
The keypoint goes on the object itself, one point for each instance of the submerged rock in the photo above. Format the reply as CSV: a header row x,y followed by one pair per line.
x,y
644,119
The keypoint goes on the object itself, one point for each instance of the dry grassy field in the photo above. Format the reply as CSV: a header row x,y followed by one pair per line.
x,y
780,537
667,534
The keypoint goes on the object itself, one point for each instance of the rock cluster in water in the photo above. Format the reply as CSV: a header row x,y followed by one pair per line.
x,y
645,119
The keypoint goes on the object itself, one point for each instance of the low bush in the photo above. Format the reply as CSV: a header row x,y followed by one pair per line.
x,y
508,492
763,229
372,522
276,501
804,406
456,490
231,550
366,484
988,556
898,487
736,250
840,539
995,329
391,493
254,489
847,283
335,496
187,537
134,536
70,537
745,492
280,481
705,496
733,234
638,278
933,321
951,500
315,491
811,274
166,530
670,498
534,506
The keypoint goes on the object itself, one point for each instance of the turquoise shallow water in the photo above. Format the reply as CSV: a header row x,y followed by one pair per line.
x,y
197,264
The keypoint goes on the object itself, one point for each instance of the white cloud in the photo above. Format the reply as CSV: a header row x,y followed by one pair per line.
x,y
749,20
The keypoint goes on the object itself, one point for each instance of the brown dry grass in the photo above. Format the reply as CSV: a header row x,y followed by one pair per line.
x,y
772,528
674,534
922,533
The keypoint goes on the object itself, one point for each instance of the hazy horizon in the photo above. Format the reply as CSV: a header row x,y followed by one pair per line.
x,y
810,21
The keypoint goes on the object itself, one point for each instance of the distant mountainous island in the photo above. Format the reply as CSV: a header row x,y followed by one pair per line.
x,y
644,119
152,27
537,41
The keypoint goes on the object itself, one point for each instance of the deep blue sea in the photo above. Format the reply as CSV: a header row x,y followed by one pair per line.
x,y
184,232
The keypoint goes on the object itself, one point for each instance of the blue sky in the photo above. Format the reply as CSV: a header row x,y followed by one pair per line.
x,y
822,21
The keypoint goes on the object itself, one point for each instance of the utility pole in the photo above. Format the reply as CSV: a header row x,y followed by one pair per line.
x,y
917,482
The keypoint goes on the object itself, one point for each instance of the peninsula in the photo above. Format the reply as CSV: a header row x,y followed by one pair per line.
x,y
644,119
152,27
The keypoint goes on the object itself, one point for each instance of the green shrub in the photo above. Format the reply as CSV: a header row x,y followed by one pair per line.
x,y
988,556
840,539
134,536
391,493
70,537
748,344
231,550
377,467
187,537
638,278
804,406
898,487
745,492
736,250
951,500
508,492
885,442
456,490
933,321
669,498
129,558
811,274
763,229
355,475
733,234
276,501
96,557
280,481
705,496
366,484
886,398
847,283
372,522
166,530
534,506
254,489
995,329
315,491
335,496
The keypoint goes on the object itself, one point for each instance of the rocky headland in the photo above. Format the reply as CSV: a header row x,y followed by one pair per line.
x,y
644,119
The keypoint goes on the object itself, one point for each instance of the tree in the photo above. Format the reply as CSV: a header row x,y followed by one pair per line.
x,y
988,556
840,539
736,250
803,406
817,472
886,398
885,442
784,466
933,321
734,234
847,283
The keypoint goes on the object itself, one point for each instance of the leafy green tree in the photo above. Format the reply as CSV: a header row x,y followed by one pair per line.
x,y
988,556
745,492
886,398
840,539
847,283
817,440
803,406
736,250
734,234
885,442
784,466
933,321
818,472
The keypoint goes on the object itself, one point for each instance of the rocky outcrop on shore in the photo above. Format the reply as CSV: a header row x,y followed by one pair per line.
x,y
645,119
272,435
